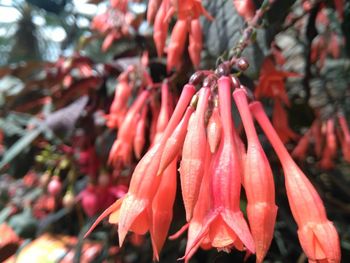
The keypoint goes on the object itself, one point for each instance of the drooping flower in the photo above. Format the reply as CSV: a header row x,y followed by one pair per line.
x,y
139,139
187,14
189,9
162,208
152,8
330,149
144,183
317,235
200,211
195,39
118,107
193,154
161,28
258,183
177,44
174,143
272,82
123,145
164,113
345,142
133,212
225,222
301,148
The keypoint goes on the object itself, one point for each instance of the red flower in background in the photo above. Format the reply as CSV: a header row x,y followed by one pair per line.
x,y
345,139
272,85
272,82
322,135
187,13
245,8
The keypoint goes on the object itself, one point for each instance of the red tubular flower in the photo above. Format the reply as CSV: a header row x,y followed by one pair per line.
x,y
272,82
301,148
193,154
174,143
317,235
162,208
214,129
258,183
241,151
177,44
122,147
144,182
139,140
195,46
152,8
164,113
134,211
330,149
200,211
225,222
118,107
161,28
189,9
346,137
331,139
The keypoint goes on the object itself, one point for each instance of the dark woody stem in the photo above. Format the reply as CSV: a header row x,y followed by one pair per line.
x,y
249,32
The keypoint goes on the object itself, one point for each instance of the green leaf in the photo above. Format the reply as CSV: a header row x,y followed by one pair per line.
x,y
19,146
5,213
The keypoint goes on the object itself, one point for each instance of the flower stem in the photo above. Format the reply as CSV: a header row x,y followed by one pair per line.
x,y
259,114
249,32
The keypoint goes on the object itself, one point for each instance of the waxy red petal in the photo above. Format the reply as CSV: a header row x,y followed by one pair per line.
x,y
193,154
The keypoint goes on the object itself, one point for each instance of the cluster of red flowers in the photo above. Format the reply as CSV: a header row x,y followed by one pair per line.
x,y
329,42
214,165
187,13
323,135
117,22
131,121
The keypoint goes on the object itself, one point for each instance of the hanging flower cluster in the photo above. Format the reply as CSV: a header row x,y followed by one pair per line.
x,y
187,13
214,164
329,42
117,22
323,135
131,121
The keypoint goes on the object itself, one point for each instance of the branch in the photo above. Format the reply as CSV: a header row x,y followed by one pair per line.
x,y
248,33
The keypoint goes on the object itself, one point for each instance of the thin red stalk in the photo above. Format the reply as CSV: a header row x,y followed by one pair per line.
x,y
246,116
259,114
